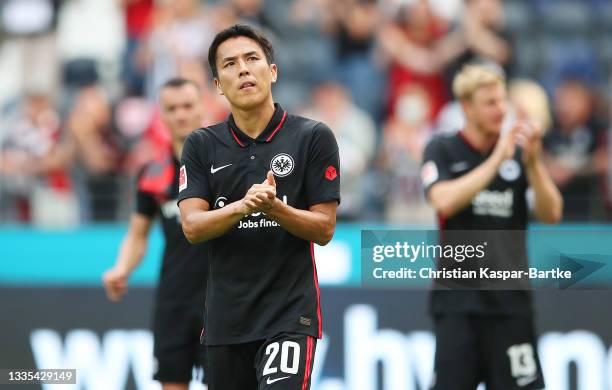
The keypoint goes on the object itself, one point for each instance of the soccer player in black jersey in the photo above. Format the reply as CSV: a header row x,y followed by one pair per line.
x,y
478,179
181,291
261,188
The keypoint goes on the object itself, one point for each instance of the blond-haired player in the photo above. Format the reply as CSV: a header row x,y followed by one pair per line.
x,y
477,181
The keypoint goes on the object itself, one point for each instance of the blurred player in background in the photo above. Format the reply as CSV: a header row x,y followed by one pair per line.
x,y
182,284
478,179
262,187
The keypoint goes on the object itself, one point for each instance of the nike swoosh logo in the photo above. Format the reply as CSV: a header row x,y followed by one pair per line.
x,y
214,170
269,381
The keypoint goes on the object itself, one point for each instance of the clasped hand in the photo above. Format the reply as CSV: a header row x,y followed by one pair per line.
x,y
260,197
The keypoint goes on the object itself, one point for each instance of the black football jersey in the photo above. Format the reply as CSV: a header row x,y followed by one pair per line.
x,y
263,280
184,269
497,215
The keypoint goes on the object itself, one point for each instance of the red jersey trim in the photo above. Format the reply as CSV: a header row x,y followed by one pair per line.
x,y
280,124
308,367
235,137
316,281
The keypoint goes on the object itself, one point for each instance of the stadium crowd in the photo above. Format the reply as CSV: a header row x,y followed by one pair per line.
x,y
79,82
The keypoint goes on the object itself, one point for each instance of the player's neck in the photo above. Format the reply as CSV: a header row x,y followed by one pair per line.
x,y
254,121
177,148
478,138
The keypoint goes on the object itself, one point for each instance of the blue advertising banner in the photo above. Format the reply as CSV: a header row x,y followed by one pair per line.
x,y
373,339
376,337
39,257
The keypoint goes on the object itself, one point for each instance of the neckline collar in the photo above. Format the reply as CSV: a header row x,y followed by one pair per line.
x,y
470,145
275,124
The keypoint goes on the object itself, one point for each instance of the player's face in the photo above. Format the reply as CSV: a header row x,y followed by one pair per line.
x,y
487,108
182,110
244,75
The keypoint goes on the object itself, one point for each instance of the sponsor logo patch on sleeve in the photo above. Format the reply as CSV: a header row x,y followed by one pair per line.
x,y
182,178
429,173
331,173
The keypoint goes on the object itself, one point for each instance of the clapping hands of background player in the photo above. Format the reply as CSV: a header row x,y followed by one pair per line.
x,y
261,197
506,145
527,136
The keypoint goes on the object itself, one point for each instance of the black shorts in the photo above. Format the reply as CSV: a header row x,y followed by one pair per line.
x,y
282,362
500,351
177,348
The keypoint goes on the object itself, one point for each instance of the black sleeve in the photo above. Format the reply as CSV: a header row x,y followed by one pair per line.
x,y
193,178
145,204
323,171
435,166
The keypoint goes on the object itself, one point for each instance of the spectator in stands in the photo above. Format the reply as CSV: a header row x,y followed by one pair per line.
x,y
93,150
138,15
404,138
353,26
575,151
250,12
419,48
355,133
487,39
30,132
181,33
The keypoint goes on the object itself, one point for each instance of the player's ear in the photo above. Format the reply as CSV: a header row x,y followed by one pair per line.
x,y
218,86
274,72
465,106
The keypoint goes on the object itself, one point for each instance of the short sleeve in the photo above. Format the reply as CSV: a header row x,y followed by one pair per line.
x,y
435,167
145,204
193,180
323,171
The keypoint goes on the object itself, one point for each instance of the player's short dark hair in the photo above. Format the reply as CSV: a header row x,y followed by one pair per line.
x,y
178,82
238,30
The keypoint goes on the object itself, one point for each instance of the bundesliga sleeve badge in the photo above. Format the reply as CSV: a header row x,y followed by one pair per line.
x,y
429,173
182,178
